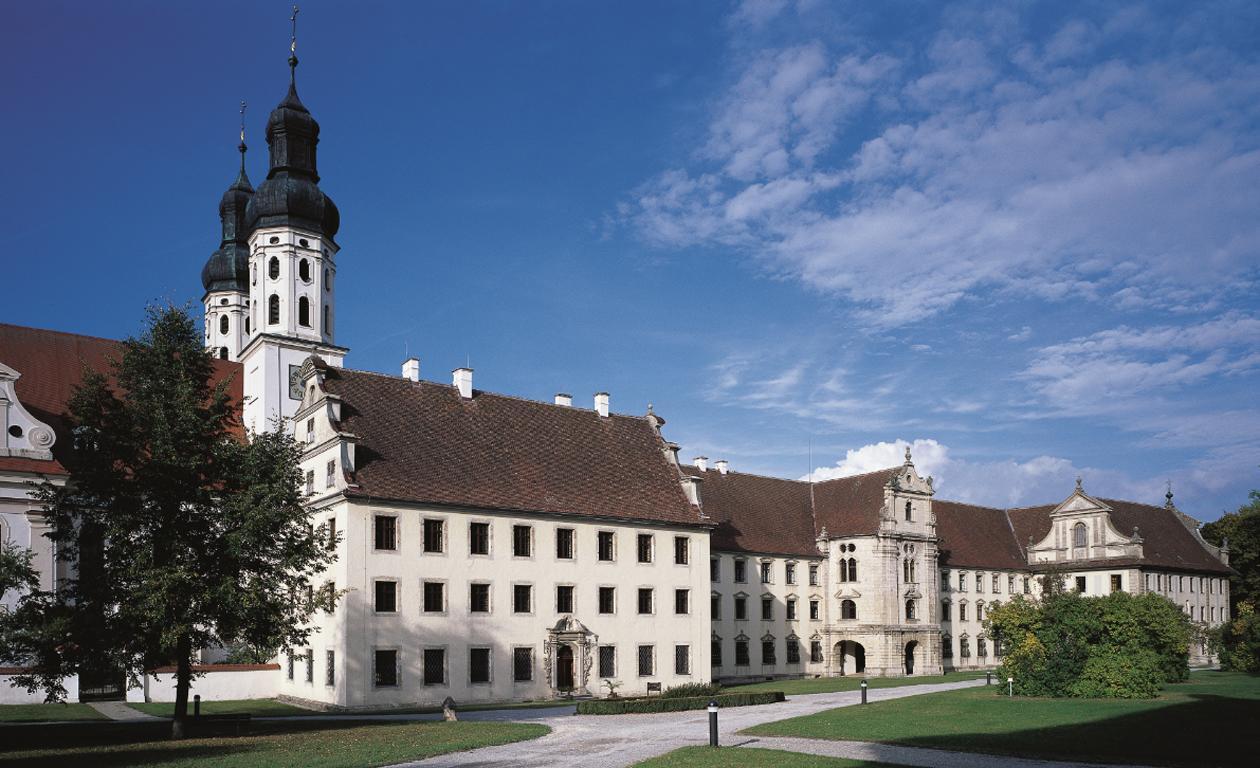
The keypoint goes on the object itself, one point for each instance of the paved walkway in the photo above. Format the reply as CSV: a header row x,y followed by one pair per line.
x,y
118,710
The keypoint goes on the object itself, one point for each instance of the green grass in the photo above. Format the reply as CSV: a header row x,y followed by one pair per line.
x,y
255,707
38,713
1202,722
296,742
849,683
747,757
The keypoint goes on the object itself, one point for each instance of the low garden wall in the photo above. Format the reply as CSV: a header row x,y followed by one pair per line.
x,y
11,695
220,682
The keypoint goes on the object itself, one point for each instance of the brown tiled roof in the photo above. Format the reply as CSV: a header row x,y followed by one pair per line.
x,y
421,442
976,537
766,515
52,364
1167,543
849,506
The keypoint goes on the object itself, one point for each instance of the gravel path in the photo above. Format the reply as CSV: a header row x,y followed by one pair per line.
x,y
118,710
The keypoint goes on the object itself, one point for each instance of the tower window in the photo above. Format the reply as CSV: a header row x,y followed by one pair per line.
x,y
302,242
304,270
223,324
327,281
327,321
223,353
223,302
274,240
273,268
304,312
247,326
273,310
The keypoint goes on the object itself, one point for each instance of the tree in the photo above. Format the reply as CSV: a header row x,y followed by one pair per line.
x,y
1242,528
1238,641
184,534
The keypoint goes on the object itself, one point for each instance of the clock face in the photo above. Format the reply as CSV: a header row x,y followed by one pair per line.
x,y
295,382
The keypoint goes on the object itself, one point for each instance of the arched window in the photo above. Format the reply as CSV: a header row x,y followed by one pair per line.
x,y
304,270
223,353
273,310
852,569
909,610
909,510
273,268
247,326
1078,536
913,575
223,324
327,320
327,280
905,570
304,312
848,609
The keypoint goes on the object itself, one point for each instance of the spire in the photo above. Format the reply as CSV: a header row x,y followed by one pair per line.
x,y
242,179
227,269
1168,497
293,59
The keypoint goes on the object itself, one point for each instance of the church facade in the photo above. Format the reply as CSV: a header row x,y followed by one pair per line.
x,y
495,548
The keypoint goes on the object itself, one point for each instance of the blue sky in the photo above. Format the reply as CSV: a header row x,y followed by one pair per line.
x,y
1024,239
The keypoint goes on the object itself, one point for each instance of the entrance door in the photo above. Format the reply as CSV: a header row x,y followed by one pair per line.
x,y
910,646
564,668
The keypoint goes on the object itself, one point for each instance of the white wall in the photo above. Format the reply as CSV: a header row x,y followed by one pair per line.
x,y
261,681
11,695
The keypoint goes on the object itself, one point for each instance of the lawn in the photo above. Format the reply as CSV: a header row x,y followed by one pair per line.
x,y
255,707
36,713
849,683
1203,722
741,757
312,744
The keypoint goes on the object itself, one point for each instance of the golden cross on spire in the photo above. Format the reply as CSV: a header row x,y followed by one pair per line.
x,y
293,36
243,105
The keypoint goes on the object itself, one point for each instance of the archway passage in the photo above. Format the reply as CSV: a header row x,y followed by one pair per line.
x,y
910,648
564,668
850,657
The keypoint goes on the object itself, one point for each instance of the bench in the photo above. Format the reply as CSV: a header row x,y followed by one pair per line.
x,y
653,688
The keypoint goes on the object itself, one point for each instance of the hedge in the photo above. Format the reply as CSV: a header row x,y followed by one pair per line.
x,y
660,704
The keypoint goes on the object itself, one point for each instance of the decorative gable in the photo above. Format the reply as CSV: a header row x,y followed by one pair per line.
x,y
23,435
1081,529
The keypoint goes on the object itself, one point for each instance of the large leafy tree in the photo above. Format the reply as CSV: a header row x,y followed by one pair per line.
x,y
1242,528
185,534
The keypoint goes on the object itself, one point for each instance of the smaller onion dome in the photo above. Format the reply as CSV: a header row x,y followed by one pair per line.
x,y
227,269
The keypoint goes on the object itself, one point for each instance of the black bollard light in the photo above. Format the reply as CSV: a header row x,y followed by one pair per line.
x,y
197,705
713,737
863,691
988,678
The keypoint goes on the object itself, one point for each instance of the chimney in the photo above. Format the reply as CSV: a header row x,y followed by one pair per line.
x,y
564,398
701,462
722,465
601,403
463,381
411,369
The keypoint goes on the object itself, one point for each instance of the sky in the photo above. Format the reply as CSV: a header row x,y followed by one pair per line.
x,y
1022,240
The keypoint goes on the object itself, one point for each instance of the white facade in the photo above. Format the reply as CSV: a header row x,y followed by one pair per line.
x,y
227,323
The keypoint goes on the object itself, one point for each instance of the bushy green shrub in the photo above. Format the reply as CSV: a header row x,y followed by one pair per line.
x,y
1237,642
662,704
1113,675
688,690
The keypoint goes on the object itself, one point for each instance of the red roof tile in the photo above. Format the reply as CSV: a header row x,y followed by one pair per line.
x,y
421,442
976,537
766,515
849,506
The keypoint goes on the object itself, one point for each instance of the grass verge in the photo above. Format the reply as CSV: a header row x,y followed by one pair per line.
x,y
312,744
662,704
1203,722
42,713
255,707
848,683
747,757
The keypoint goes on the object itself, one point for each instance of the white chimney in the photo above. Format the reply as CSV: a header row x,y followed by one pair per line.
x,y
411,369
463,381
564,398
722,465
601,403
701,462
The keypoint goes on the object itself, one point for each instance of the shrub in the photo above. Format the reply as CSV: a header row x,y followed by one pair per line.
x,y
688,690
662,704
1115,675
1238,641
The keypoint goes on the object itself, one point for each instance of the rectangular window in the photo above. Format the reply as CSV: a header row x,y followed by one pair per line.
x,y
715,653
766,573
789,573
330,475
962,611
767,653
962,582
434,666
980,582
522,664
606,548
793,652
478,598
310,431
814,610
289,673
564,599
564,543
741,653
1115,582
715,607
741,608
644,547
386,597
715,569
741,568
522,598
385,668
433,539
386,530
1010,584
1027,585
522,541
330,667
682,601
1080,584
947,647
478,538
645,600
791,610
478,665
310,482
310,665
607,599
682,660
944,581
767,609
813,575
681,547
607,661
647,661
332,533
434,597
945,612
997,584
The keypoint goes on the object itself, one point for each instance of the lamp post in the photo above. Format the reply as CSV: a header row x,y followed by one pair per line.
x,y
197,705
1010,687
713,733
988,678
863,691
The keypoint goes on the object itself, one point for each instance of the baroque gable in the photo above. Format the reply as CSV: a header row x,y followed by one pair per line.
x,y
1081,528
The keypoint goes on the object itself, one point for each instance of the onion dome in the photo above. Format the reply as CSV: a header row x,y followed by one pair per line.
x,y
291,196
227,269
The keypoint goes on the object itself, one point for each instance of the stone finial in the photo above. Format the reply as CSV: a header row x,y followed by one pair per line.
x,y
908,462
1079,488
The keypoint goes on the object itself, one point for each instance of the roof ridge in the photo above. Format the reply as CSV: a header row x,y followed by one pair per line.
x,y
61,333
746,474
860,474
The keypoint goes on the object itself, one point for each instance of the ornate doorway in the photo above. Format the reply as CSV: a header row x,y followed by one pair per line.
x,y
568,653
564,668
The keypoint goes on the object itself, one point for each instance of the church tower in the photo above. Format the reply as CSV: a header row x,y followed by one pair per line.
x,y
292,266
226,273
